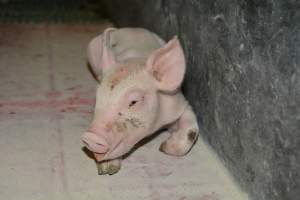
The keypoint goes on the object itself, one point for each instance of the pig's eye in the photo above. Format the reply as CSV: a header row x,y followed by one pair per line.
x,y
132,103
134,99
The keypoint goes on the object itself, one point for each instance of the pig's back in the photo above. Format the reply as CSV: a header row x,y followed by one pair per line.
x,y
128,43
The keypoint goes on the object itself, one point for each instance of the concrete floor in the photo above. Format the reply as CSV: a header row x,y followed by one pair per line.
x,y
46,103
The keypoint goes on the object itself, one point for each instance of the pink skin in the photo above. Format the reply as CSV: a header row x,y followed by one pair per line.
x,y
138,94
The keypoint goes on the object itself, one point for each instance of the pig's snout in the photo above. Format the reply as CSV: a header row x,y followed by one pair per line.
x,y
95,142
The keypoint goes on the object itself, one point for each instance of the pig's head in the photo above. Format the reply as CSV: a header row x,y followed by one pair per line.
x,y
128,102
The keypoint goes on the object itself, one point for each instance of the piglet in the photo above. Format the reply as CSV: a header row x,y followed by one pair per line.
x,y
139,77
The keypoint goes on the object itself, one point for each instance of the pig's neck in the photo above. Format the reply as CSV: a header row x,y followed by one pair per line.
x,y
171,108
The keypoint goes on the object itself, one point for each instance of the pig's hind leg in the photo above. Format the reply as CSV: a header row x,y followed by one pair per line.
x,y
109,167
184,133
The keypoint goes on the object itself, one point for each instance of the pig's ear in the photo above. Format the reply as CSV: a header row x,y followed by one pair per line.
x,y
167,66
100,56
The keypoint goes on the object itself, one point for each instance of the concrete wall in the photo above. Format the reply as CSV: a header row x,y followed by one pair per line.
x,y
243,79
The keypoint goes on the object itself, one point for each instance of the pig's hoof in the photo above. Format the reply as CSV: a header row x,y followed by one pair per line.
x,y
179,146
108,167
172,150
164,148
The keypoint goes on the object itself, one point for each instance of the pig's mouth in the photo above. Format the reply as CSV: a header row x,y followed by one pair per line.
x,y
111,154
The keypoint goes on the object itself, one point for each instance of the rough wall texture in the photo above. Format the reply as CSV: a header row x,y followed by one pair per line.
x,y
243,79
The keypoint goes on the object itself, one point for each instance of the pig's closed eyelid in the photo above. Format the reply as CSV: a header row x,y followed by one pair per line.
x,y
134,98
132,103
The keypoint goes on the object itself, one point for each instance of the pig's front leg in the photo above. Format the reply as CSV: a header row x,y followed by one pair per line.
x,y
109,166
184,133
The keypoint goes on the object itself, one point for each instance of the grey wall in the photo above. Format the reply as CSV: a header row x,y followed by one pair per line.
x,y
243,79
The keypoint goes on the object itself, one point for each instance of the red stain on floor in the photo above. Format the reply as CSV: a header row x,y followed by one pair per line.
x,y
72,103
53,94
49,103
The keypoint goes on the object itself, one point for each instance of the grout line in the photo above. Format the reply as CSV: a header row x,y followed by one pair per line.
x,y
51,77
51,103
61,157
58,164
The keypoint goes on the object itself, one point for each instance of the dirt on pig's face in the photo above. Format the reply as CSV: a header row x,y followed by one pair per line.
x,y
126,109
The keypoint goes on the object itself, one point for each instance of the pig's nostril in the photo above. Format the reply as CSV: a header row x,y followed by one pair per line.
x,y
95,143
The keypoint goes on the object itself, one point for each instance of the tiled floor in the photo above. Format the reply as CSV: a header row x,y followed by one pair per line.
x,y
46,103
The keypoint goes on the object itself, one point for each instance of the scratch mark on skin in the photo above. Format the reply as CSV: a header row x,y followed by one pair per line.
x,y
121,127
120,75
135,122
